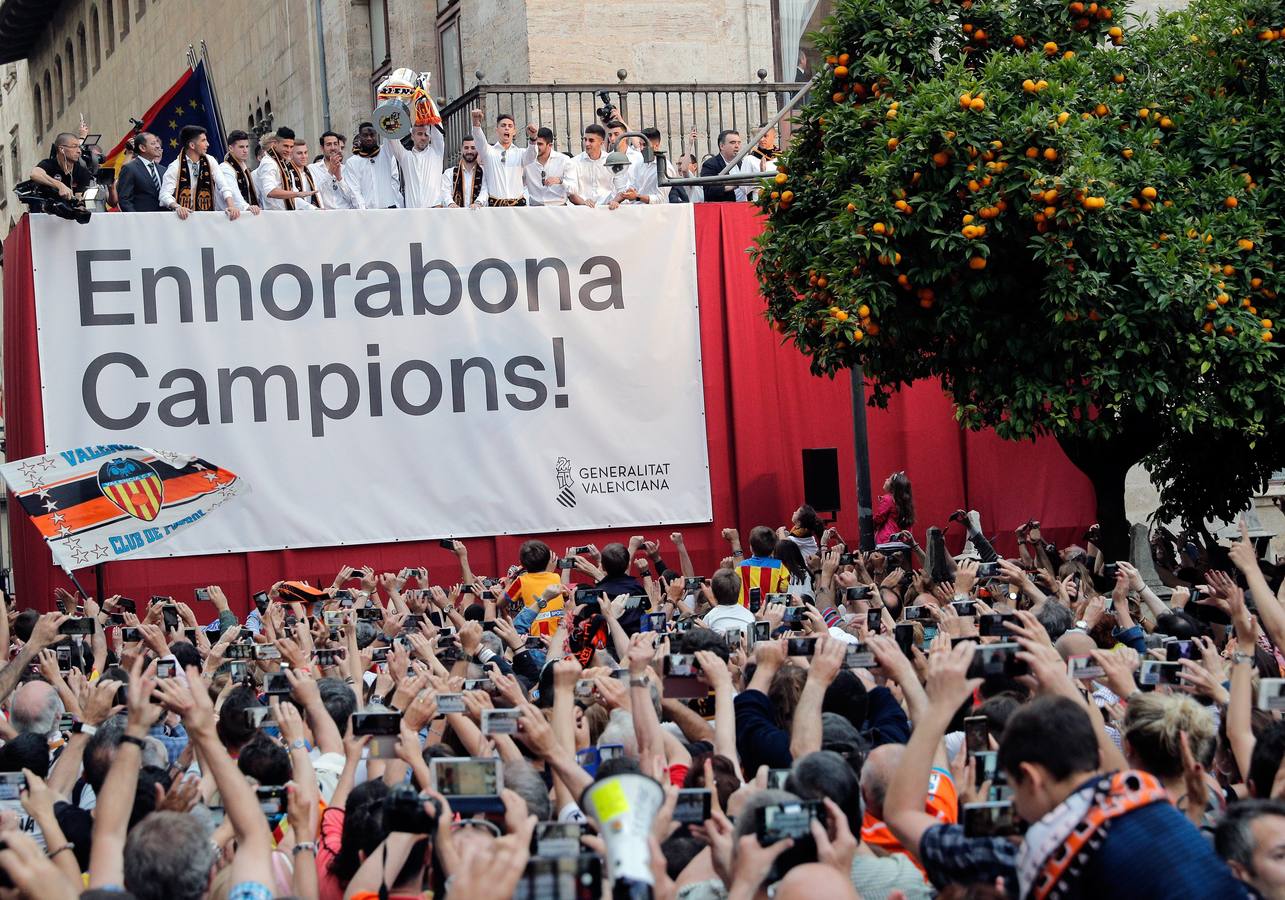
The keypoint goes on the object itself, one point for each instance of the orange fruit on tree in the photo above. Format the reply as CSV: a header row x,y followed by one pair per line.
x,y
1267,337
1050,48
1095,202
1115,32
781,178
857,335
840,71
843,59
841,316
863,311
1050,154
941,157
787,196
977,105
1149,193
1231,203
1118,78
1266,323
1144,113
1229,330
1208,328
892,143
1245,244
965,100
879,228
1029,86
1019,42
1041,84
977,263
1032,152
1127,153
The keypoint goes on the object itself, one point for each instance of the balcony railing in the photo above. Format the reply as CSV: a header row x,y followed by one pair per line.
x,y
568,109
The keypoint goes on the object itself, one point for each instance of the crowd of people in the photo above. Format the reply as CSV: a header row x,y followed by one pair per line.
x,y
282,172
820,722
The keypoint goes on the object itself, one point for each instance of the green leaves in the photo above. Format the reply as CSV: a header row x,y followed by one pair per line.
x,y
1099,233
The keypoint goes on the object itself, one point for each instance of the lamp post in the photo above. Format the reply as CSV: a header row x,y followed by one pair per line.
x,y
861,456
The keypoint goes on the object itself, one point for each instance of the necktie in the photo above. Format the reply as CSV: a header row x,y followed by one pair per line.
x,y
156,180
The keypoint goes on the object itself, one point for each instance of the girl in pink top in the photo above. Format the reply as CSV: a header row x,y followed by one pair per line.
x,y
895,509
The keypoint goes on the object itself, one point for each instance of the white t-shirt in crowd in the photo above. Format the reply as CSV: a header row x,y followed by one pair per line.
x,y
725,618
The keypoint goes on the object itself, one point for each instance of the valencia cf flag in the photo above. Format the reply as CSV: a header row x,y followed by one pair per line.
x,y
107,501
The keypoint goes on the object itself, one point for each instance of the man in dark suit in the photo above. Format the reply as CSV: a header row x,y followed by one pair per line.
x,y
139,184
729,144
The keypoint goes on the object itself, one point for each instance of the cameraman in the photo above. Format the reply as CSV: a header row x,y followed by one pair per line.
x,y
63,175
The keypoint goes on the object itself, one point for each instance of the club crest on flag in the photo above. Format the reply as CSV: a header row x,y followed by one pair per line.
x,y
133,486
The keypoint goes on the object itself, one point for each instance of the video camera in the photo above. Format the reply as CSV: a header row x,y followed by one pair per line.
x,y
607,111
38,200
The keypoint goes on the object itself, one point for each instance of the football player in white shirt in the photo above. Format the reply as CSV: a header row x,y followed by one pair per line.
x,y
545,183
503,161
421,165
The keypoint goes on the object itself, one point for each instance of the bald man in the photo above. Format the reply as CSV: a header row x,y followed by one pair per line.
x,y
812,880
35,709
942,801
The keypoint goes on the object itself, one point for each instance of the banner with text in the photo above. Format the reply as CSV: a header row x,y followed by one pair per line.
x,y
388,375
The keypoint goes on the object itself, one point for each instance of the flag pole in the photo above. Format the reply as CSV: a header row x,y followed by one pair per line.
x,y
214,91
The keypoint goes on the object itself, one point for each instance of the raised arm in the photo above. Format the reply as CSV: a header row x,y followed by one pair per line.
x,y
111,823
948,688
252,862
805,732
44,634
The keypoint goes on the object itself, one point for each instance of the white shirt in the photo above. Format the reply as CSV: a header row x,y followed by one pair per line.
x,y
642,178
537,192
336,193
229,175
421,170
590,179
224,195
448,186
724,617
377,180
502,167
269,174
748,164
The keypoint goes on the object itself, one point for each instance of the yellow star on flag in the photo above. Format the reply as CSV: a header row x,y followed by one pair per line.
x,y
173,123
178,110
174,143
192,103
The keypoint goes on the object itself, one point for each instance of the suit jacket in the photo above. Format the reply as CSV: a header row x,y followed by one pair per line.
x,y
136,190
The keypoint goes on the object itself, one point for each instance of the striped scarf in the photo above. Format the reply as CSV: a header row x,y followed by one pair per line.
x,y
244,183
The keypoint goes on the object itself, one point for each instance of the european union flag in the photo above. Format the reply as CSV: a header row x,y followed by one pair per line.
x,y
187,102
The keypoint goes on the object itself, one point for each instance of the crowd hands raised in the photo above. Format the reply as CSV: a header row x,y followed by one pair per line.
x,y
824,723
382,173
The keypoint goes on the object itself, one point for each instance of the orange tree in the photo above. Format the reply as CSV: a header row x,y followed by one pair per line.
x,y
1069,218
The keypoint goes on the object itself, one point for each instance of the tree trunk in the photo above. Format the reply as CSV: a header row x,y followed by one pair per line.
x,y
1106,464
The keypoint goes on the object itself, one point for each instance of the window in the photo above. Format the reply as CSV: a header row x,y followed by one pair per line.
x,y
58,83
111,26
35,103
796,56
49,101
378,37
124,18
70,53
98,42
451,85
84,55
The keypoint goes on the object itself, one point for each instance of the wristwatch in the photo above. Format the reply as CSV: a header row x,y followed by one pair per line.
x,y
638,682
1237,657
298,744
1082,625
79,727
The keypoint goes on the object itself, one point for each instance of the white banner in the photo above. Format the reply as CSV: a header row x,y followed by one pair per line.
x,y
388,375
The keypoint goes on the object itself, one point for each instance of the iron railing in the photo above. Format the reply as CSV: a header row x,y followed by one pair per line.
x,y
568,109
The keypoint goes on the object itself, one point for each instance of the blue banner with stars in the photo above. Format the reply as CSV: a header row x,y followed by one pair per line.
x,y
187,102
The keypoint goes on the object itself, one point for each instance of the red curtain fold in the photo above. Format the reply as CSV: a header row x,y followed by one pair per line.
x,y
762,407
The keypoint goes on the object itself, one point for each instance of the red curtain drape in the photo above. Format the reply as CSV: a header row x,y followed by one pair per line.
x,y
762,407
